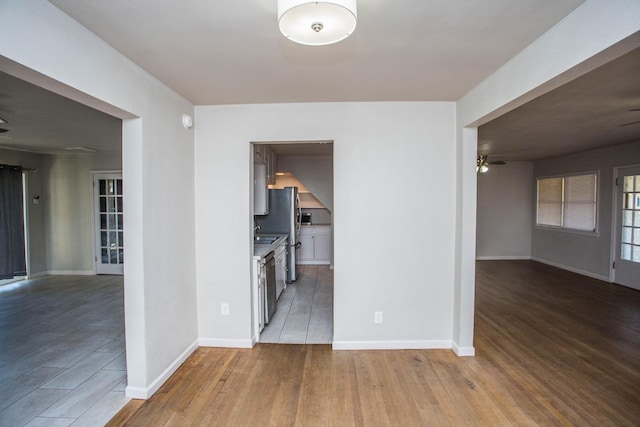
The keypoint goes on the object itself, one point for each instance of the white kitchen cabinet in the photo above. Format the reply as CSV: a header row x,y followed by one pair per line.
x,y
315,245
260,189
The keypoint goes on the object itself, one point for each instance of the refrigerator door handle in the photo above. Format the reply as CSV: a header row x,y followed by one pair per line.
x,y
299,216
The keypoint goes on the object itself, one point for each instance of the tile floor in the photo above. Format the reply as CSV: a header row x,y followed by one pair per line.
x,y
62,359
304,313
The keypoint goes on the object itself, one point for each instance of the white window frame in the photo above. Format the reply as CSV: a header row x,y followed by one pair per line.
x,y
562,228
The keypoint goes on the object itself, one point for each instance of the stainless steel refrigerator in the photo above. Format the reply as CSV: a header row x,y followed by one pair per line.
x,y
284,218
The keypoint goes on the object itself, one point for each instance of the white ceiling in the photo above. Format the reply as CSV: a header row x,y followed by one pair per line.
x,y
43,122
230,52
592,111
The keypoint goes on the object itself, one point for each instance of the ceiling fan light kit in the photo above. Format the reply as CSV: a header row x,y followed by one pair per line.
x,y
482,164
317,23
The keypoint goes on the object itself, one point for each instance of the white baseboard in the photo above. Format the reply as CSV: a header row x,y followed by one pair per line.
x,y
215,342
573,270
463,351
392,345
36,275
145,393
71,273
502,258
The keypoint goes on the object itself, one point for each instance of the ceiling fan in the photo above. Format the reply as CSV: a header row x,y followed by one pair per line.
x,y
482,164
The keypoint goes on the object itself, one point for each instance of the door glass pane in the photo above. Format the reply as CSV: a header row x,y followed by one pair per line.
x,y
628,184
111,204
630,249
628,201
111,223
113,256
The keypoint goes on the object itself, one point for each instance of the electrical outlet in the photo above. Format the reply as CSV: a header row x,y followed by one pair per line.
x,y
224,309
377,317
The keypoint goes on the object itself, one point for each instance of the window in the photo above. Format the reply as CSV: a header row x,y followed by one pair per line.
x,y
568,202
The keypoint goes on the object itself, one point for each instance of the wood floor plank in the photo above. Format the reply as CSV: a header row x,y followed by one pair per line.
x,y
552,348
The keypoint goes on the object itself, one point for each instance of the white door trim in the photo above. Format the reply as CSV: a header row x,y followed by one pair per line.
x,y
615,240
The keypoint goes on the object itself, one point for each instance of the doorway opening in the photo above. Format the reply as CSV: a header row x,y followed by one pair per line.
x,y
293,197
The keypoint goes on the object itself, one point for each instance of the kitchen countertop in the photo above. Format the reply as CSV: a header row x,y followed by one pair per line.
x,y
260,250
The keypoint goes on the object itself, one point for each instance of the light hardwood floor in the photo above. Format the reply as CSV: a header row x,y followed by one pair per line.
x,y
62,359
553,348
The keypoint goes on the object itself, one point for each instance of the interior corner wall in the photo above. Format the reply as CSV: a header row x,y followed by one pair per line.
x,y
505,197
399,260
584,253
315,172
158,158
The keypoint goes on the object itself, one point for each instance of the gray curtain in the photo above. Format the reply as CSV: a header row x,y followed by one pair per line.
x,y
12,249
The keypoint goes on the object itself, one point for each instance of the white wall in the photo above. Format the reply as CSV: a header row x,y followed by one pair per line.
x,y
589,254
44,46
61,235
386,262
68,203
505,199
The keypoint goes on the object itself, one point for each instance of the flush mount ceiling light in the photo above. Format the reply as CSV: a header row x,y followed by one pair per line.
x,y
317,23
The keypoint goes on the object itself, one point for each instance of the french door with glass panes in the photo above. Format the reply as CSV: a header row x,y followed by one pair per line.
x,y
627,253
109,255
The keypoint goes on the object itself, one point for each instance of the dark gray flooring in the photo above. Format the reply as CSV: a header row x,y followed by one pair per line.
x,y
304,313
62,359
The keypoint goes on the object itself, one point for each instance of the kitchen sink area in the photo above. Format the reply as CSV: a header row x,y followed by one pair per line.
x,y
266,240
